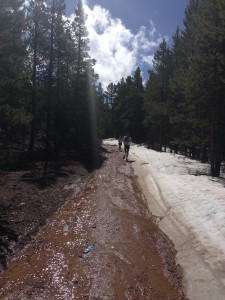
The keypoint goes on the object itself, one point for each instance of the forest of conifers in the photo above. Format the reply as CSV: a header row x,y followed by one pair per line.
x,y
51,100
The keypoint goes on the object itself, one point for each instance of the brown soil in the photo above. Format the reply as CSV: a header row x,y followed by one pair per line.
x,y
30,196
132,258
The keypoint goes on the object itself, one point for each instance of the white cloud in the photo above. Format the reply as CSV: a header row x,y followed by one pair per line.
x,y
118,51
148,59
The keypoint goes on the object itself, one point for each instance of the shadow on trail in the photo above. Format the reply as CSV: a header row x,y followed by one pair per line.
x,y
130,161
45,174
6,236
105,150
44,170
34,192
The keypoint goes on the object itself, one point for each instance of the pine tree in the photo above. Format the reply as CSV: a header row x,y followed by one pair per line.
x,y
128,106
37,43
124,106
110,96
13,83
157,94
138,132
177,112
207,76
103,114
50,74
83,85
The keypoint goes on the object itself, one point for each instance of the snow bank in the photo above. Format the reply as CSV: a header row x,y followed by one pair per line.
x,y
196,201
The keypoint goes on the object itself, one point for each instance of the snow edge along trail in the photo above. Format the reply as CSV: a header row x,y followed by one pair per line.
x,y
202,280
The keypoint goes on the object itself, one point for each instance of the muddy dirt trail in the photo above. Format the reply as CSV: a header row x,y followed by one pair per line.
x,y
132,258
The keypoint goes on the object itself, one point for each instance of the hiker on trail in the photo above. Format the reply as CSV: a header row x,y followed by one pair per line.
x,y
127,142
120,140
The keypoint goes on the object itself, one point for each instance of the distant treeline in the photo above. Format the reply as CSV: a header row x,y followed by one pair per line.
x,y
50,100
182,105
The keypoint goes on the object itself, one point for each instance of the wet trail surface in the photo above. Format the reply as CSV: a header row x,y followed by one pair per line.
x,y
132,259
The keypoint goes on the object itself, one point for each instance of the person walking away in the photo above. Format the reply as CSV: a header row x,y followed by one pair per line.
x,y
127,142
120,140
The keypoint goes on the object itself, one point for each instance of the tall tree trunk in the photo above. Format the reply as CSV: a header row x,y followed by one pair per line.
x,y
34,86
50,73
216,141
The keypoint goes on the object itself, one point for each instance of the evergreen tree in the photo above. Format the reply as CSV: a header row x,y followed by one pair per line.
x,y
124,106
62,84
177,113
157,113
206,75
110,95
37,44
84,82
120,108
150,111
128,105
13,83
57,10
103,114
138,132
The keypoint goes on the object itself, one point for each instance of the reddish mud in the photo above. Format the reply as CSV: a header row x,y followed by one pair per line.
x,y
132,259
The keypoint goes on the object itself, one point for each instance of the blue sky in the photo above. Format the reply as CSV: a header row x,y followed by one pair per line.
x,y
125,34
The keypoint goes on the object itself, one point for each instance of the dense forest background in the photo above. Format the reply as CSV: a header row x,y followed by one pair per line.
x,y
52,102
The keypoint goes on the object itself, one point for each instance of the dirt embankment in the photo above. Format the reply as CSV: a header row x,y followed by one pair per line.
x,y
132,258
30,196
